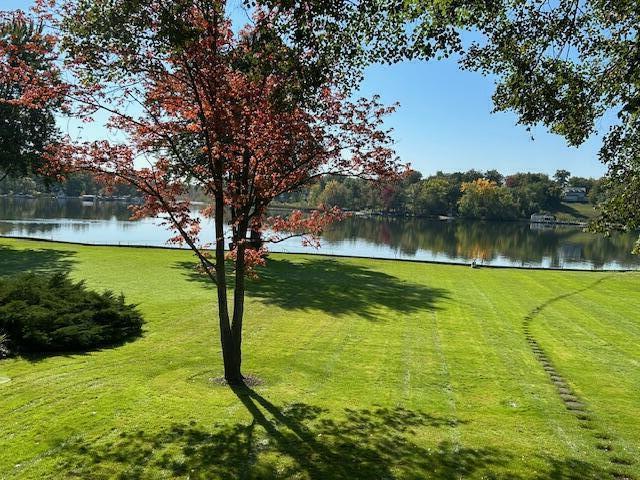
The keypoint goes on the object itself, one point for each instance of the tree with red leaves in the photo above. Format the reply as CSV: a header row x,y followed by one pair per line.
x,y
30,93
244,116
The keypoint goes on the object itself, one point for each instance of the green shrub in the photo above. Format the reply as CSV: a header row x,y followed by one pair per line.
x,y
52,313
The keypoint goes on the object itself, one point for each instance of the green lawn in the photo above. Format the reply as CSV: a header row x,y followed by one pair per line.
x,y
371,369
575,212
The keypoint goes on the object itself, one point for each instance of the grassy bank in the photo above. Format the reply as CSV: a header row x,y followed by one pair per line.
x,y
371,369
575,212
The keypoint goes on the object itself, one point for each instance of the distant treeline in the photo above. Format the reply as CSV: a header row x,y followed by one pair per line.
x,y
471,194
73,185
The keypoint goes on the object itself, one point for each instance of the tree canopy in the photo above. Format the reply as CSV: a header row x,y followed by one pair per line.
x,y
571,65
242,113
29,94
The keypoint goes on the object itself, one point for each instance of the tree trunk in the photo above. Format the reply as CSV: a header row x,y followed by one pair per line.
x,y
238,309
256,239
230,346
232,360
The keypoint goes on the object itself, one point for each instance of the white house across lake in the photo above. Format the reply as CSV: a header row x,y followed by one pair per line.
x,y
574,194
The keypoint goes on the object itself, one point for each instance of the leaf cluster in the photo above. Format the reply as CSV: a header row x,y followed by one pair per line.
x,y
24,131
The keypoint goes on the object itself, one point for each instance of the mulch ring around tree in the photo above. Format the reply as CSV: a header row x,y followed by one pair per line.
x,y
248,380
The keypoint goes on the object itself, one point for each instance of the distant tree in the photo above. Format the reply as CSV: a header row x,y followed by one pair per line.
x,y
411,177
432,197
533,192
395,195
562,177
74,185
587,183
470,175
335,194
483,199
30,92
392,197
21,185
371,197
597,193
494,176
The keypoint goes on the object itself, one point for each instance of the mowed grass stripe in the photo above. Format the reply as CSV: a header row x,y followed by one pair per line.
x,y
516,410
606,441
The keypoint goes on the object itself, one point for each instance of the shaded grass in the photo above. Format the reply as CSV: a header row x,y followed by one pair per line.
x,y
371,369
47,260
334,287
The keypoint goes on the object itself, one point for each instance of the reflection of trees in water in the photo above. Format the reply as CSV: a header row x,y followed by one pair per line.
x,y
519,243
486,241
50,208
74,215
39,228
26,229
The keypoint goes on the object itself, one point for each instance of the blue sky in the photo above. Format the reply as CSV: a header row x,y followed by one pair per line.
x,y
444,122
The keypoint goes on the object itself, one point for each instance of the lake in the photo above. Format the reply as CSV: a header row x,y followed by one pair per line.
x,y
456,241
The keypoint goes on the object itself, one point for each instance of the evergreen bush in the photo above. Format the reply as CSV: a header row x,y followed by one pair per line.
x,y
41,314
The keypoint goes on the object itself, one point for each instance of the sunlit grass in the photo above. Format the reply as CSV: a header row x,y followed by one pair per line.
x,y
575,212
370,369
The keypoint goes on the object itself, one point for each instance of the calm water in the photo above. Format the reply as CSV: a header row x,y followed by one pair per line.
x,y
513,244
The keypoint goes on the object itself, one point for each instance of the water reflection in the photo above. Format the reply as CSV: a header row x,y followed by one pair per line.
x,y
516,244
490,242
51,208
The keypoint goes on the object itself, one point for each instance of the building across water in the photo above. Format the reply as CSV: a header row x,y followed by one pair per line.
x,y
574,194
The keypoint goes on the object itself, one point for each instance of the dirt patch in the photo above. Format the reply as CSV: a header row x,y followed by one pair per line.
x,y
249,381
605,447
621,461
574,405
560,384
621,476
567,397
4,380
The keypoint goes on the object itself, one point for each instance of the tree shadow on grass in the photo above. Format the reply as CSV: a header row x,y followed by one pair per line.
x,y
334,287
297,441
303,441
47,260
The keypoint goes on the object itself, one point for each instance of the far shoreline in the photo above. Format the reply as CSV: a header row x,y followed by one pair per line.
x,y
288,207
